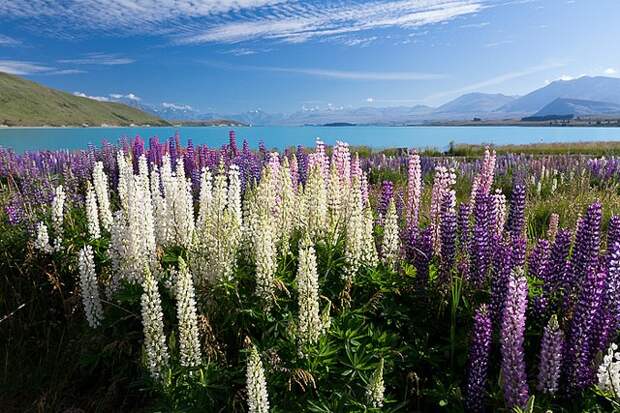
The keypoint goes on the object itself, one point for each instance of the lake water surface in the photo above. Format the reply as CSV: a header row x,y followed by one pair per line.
x,y
27,139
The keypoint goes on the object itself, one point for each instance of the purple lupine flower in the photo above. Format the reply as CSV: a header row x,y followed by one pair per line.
x,y
420,252
516,215
550,359
481,243
613,231
554,274
476,390
538,259
387,191
517,254
302,160
512,337
448,236
609,313
580,350
585,250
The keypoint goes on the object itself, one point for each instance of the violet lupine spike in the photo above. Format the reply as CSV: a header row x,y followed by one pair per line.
x,y
302,160
586,248
464,227
481,242
232,143
518,249
609,313
516,215
550,359
448,236
512,339
387,192
554,274
477,372
538,259
414,189
580,349
613,231
420,252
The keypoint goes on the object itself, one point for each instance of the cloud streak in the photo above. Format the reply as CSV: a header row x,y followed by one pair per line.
x,y
17,67
334,74
106,59
233,21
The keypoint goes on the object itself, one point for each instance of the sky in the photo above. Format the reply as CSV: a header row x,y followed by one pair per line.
x,y
232,56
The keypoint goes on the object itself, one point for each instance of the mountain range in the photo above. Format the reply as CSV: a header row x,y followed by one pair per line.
x,y
582,97
25,103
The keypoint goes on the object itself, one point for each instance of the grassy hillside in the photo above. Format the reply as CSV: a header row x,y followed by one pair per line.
x,y
25,103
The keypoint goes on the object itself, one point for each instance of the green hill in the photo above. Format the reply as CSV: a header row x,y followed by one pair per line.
x,y
26,103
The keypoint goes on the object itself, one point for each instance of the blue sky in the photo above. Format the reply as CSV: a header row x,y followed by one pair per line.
x,y
230,56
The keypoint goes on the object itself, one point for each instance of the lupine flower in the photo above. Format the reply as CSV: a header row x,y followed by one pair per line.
x,y
550,360
499,211
613,230
538,260
89,287
387,193
512,336
369,249
92,215
516,215
581,342
444,180
554,221
100,183
376,388
414,190
309,325
256,386
153,325
266,263
554,276
421,253
189,342
609,372
58,214
390,247
464,227
42,241
481,244
355,228
448,235
477,372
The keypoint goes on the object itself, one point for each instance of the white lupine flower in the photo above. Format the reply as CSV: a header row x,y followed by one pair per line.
x,y
118,251
256,386
390,247
163,230
287,210
92,214
100,183
42,242
89,287
309,325
153,326
376,388
355,227
205,198
609,372
124,173
58,215
189,342
266,258
369,248
334,198
315,203
219,231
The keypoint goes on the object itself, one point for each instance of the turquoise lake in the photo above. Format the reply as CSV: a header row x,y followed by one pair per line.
x,y
27,139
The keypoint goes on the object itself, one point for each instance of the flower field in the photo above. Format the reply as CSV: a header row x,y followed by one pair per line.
x,y
160,277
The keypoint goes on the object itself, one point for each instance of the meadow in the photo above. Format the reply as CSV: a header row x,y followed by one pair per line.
x,y
167,278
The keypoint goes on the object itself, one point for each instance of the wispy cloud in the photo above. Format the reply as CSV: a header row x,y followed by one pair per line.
x,y
305,21
106,59
233,21
474,25
331,73
17,67
499,43
8,41
610,71
496,80
128,96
